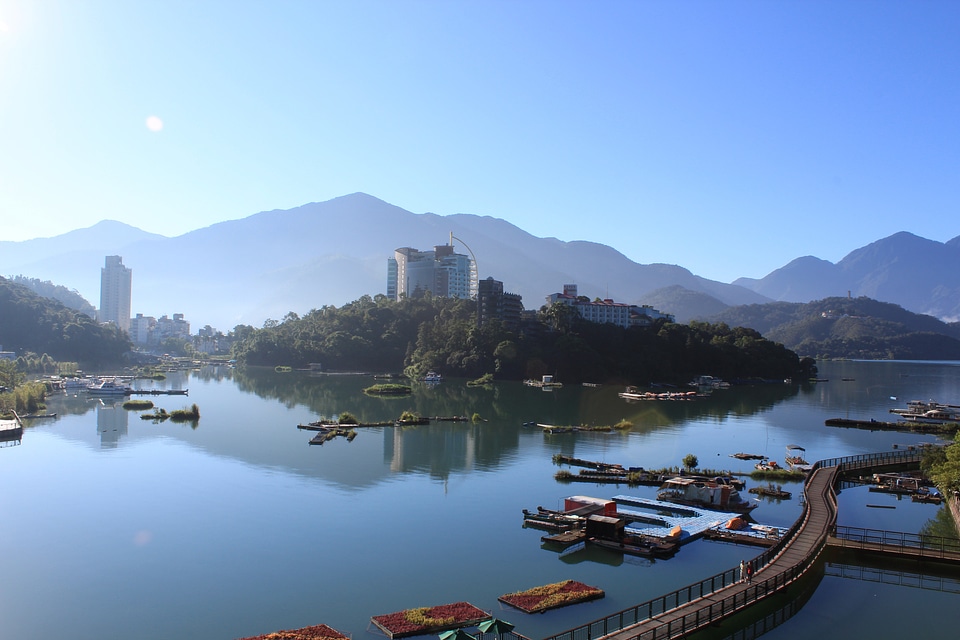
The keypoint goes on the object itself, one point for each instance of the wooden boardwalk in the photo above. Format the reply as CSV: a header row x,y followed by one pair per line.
x,y
694,607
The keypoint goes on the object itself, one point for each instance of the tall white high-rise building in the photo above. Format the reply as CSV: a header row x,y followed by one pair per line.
x,y
411,273
115,286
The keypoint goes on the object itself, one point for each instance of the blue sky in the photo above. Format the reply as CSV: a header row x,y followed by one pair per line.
x,y
726,137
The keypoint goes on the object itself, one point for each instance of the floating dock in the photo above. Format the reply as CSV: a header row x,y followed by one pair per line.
x,y
659,519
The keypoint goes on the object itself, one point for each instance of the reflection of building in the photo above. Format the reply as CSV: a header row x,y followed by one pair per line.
x,y
115,287
608,311
111,424
411,273
493,303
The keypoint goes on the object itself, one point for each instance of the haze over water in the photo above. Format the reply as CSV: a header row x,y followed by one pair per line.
x,y
120,528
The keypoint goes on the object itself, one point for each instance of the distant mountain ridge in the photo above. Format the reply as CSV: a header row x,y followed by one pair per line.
x,y
330,253
920,275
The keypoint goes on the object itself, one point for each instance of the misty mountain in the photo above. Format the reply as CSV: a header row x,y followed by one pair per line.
x,y
684,304
330,253
921,275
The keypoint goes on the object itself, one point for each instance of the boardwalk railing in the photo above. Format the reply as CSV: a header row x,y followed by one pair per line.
x,y
716,610
914,544
870,460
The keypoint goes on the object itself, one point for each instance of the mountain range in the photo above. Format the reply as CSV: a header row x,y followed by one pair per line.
x,y
330,253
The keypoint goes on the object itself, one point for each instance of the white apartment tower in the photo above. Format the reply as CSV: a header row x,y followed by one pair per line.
x,y
115,287
411,273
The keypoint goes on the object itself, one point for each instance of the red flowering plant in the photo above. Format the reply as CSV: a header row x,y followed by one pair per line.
x,y
316,632
423,620
551,596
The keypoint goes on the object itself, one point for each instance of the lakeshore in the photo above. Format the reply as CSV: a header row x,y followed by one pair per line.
x,y
262,502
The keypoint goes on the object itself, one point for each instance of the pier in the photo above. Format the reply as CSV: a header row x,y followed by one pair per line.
x,y
718,597
158,392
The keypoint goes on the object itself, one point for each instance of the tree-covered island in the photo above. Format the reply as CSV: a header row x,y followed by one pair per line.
x,y
417,335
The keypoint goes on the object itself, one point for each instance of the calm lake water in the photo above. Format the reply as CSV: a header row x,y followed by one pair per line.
x,y
116,527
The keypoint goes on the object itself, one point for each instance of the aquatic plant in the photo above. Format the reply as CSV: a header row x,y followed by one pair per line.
x,y
347,418
138,404
551,596
186,415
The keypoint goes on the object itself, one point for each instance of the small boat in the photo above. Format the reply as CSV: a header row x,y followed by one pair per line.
x,y
793,458
747,456
432,376
931,496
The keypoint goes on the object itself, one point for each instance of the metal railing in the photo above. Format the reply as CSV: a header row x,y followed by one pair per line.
x,y
912,544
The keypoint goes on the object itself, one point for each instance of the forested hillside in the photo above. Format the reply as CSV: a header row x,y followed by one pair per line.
x,y
69,297
850,328
440,334
32,323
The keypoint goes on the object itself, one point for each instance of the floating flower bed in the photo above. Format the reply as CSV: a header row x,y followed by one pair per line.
x,y
316,632
551,596
423,620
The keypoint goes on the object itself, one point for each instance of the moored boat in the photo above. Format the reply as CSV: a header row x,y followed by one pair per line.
x,y
109,388
703,493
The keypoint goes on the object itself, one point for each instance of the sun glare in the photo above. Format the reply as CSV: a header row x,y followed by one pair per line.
x,y
154,123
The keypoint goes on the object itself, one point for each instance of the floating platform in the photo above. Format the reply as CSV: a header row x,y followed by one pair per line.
x,y
693,521
158,392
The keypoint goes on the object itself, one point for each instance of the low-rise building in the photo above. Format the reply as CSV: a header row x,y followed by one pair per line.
x,y
606,310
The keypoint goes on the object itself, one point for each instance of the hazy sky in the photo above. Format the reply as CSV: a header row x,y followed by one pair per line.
x,y
726,137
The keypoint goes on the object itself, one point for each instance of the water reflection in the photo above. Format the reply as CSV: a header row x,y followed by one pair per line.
x,y
111,422
326,396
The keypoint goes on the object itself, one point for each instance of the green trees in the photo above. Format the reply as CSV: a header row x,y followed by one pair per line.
x,y
690,462
30,323
441,334
943,466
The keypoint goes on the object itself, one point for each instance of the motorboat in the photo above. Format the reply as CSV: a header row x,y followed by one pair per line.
x,y
109,388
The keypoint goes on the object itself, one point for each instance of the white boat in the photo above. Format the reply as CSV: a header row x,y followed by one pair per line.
x,y
432,376
76,384
704,493
928,412
632,393
109,388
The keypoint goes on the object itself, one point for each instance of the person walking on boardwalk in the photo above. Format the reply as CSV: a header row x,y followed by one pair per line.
x,y
743,571
750,572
